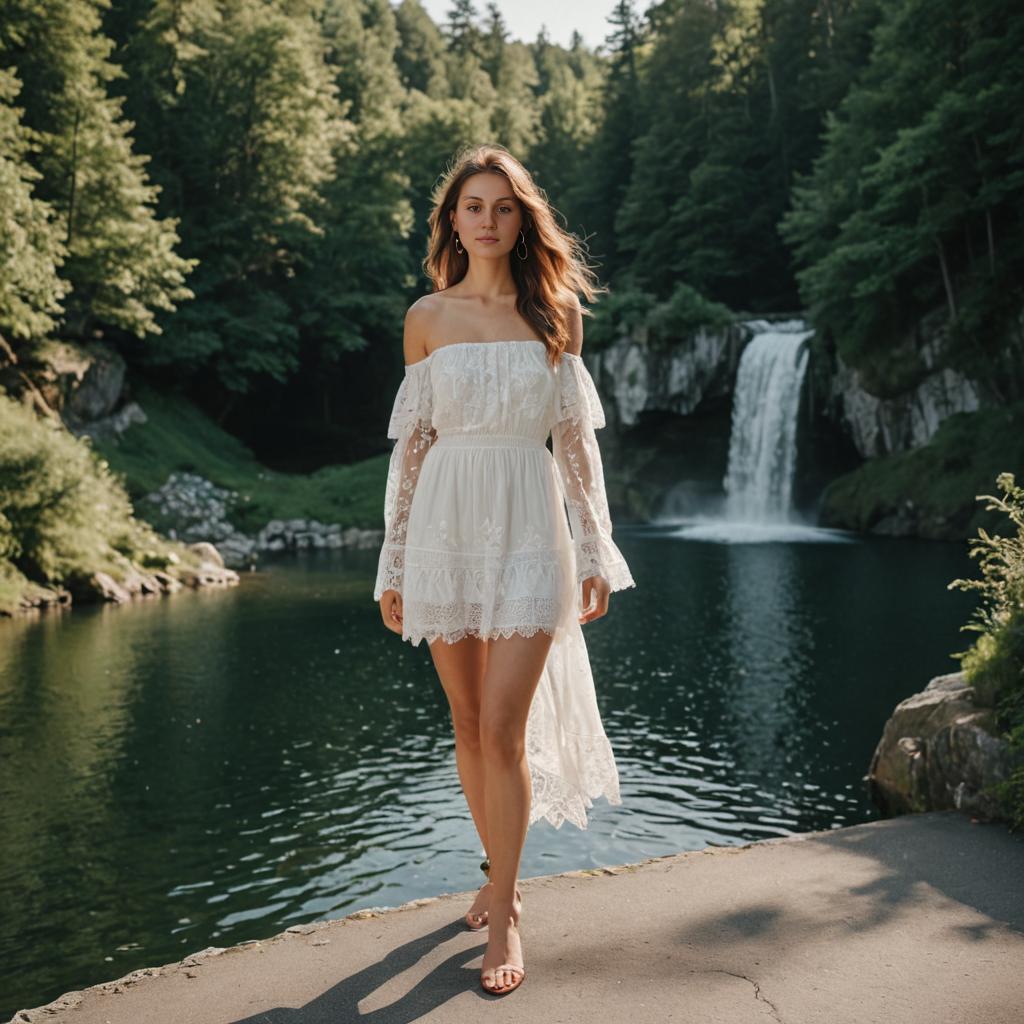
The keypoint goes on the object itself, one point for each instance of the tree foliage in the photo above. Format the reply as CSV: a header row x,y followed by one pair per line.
x,y
31,250
119,256
234,192
915,200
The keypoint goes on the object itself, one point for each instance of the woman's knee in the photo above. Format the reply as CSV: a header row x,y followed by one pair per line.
x,y
466,723
502,740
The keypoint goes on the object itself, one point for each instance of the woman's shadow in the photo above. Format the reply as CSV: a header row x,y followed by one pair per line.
x,y
340,1004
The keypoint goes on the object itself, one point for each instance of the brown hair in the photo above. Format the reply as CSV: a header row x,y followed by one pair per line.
x,y
554,273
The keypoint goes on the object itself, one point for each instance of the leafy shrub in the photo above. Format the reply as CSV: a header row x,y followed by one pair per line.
x,y
994,665
618,313
686,310
63,513
669,321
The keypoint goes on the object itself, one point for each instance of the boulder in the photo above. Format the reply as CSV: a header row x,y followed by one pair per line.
x,y
207,553
112,426
940,750
81,382
207,575
106,588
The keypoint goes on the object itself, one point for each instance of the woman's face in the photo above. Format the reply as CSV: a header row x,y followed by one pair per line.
x,y
486,209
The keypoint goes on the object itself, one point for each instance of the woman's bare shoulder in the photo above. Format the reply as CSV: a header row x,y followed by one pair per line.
x,y
419,321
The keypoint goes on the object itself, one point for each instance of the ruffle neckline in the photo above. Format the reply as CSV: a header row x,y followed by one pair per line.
x,y
500,341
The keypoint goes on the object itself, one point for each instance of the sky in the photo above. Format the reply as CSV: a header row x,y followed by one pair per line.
x,y
525,17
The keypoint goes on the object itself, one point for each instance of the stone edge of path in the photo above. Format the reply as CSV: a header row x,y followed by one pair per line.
x,y
73,999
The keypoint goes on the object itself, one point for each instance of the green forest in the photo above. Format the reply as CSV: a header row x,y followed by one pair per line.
x,y
232,195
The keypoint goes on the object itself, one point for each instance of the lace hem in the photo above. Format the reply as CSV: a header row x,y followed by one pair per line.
x,y
455,619
599,555
390,569
491,634
558,803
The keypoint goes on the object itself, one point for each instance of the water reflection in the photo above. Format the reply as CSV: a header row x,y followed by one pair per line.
x,y
768,647
207,768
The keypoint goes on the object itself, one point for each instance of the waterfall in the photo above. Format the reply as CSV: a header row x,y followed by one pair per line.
x,y
762,442
758,507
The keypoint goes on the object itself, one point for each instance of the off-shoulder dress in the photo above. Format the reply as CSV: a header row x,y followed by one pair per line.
x,y
488,533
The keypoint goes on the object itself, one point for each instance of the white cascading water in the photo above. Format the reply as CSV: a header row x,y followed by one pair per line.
x,y
762,442
762,446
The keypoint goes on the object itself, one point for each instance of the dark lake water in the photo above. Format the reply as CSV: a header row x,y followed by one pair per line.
x,y
206,768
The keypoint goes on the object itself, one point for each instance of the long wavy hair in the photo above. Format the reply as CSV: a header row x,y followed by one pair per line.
x,y
552,277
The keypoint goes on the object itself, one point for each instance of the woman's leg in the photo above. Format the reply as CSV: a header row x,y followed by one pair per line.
x,y
512,671
460,667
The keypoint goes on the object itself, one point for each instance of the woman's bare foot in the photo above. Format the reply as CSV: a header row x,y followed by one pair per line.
x,y
477,916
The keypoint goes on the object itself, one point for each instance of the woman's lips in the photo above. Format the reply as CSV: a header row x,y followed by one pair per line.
x,y
486,239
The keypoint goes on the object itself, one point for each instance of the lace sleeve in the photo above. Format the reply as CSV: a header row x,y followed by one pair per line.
x,y
574,446
412,429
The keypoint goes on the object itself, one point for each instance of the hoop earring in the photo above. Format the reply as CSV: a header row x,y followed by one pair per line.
x,y
458,242
523,244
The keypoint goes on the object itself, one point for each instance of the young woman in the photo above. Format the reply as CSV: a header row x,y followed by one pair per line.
x,y
478,556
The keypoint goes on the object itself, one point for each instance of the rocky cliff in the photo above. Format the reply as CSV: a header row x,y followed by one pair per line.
x,y
883,414
850,415
884,426
638,377
900,402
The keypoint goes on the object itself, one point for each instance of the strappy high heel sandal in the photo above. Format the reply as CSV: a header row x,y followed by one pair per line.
x,y
518,972
478,922
518,977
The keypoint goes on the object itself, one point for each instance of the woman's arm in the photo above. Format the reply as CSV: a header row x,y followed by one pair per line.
x,y
411,427
578,457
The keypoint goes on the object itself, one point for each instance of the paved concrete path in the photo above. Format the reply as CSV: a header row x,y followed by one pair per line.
x,y
906,920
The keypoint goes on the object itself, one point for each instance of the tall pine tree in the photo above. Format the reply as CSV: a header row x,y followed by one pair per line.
x,y
250,122
31,251
596,198
914,207
120,261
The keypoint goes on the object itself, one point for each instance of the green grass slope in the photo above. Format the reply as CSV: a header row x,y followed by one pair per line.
x,y
180,437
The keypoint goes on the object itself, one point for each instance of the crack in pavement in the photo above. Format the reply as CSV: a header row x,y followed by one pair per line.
x,y
757,990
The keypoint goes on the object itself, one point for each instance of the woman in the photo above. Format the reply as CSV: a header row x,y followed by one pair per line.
x,y
478,557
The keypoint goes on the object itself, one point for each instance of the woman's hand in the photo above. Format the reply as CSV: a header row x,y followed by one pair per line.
x,y
596,591
391,610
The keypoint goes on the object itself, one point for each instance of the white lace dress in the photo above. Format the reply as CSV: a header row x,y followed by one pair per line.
x,y
477,540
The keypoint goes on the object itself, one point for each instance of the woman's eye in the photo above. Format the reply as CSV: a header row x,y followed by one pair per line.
x,y
476,206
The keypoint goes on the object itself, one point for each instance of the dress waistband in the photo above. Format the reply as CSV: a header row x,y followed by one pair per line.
x,y
457,440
